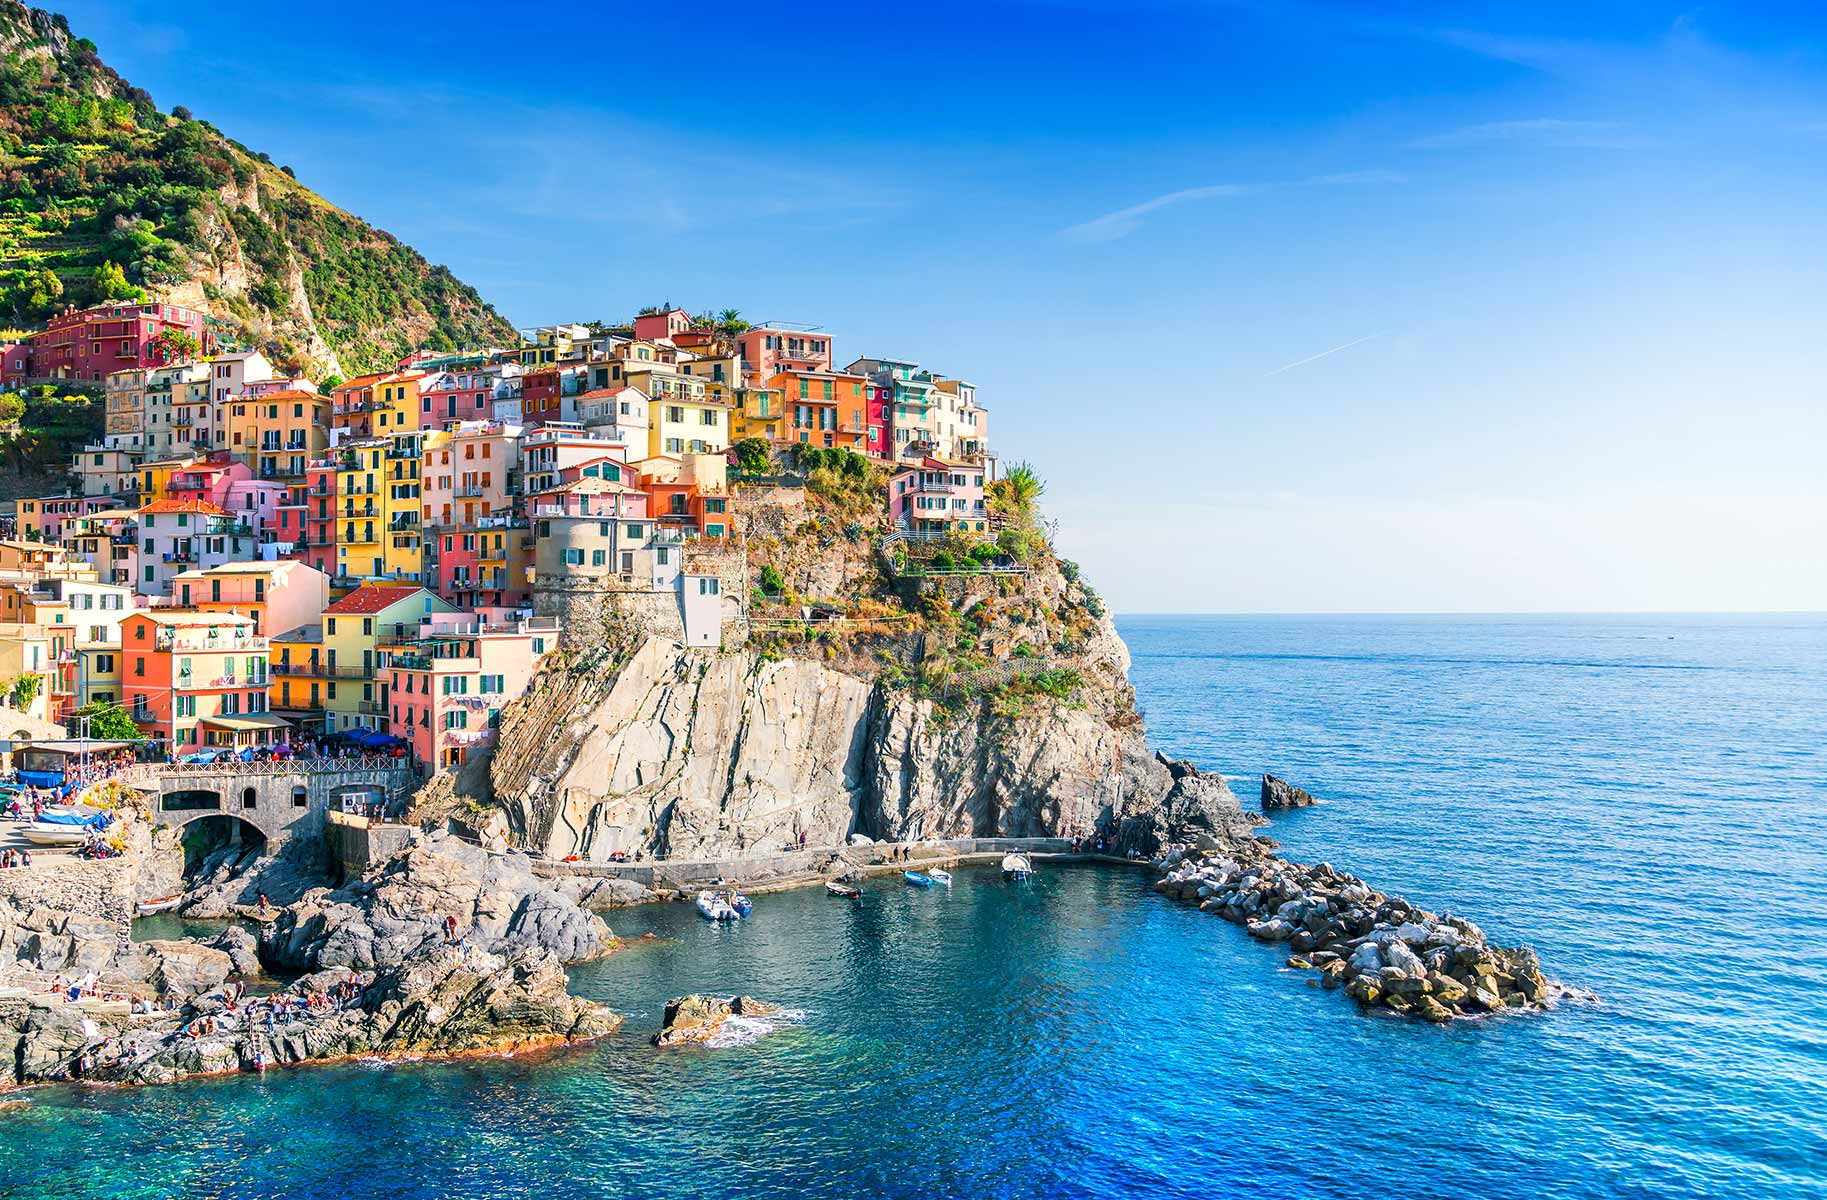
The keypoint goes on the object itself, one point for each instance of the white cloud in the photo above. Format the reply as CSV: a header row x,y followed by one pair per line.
x,y
1125,221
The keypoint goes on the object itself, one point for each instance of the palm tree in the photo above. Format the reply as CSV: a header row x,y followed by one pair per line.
x,y
1020,487
731,320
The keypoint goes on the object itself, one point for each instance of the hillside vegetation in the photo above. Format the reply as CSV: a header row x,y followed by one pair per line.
x,y
103,197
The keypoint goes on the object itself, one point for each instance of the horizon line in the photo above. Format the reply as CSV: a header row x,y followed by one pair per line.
x,y
1591,612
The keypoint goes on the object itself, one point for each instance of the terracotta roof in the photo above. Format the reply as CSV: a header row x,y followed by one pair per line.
x,y
184,506
372,598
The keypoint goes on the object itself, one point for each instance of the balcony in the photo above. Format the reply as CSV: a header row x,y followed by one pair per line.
x,y
312,670
180,556
471,492
192,644
373,708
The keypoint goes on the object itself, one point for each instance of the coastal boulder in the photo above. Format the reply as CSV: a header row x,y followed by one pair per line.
x,y
1279,794
696,1019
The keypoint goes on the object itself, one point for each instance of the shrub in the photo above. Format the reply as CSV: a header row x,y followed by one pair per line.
x,y
771,580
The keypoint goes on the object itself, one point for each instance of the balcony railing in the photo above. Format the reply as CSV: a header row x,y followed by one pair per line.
x,y
207,645
311,670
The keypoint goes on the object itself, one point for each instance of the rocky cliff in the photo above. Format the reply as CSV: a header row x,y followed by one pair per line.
x,y
690,754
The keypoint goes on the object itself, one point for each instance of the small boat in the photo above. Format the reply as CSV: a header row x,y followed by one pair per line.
x,y
842,890
739,902
943,878
146,908
917,879
1017,867
42,833
716,908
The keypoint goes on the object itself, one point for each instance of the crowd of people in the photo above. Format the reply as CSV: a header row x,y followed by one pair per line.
x,y
15,856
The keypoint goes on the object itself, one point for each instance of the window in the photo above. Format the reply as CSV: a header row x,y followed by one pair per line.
x,y
330,623
573,558
139,666
367,625
493,685
596,558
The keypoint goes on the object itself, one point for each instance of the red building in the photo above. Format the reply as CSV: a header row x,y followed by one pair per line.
x,y
15,363
877,412
318,546
91,343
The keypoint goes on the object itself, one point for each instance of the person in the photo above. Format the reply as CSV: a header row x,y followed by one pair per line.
x,y
264,906
450,929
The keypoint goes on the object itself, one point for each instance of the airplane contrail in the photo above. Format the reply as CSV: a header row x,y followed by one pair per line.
x,y
1322,354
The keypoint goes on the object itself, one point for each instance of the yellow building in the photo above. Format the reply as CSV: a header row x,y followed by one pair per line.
x,y
378,528
759,412
684,417
155,478
353,630
277,434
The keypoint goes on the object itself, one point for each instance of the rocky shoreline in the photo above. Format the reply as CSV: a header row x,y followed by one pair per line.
x,y
1382,951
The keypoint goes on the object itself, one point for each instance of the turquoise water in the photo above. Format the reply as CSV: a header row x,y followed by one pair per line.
x,y
1642,799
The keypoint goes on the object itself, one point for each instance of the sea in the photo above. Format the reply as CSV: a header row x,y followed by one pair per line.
x,y
1643,799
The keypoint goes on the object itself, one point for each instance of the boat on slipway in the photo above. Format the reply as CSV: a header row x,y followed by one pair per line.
x,y
1017,867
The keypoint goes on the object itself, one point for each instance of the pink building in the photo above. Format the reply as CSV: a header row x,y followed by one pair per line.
x,y
448,682
935,495
651,327
767,352
455,396
93,343
15,363
229,485
466,472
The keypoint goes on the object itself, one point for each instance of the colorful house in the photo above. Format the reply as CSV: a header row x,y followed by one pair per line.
x,y
662,323
92,343
824,409
279,433
934,495
181,535
197,679
448,681
377,490
276,596
767,351
353,627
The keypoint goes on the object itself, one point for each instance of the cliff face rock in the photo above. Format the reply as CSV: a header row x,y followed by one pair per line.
x,y
691,755
398,911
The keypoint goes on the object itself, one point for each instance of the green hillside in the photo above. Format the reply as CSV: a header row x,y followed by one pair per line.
x,y
104,196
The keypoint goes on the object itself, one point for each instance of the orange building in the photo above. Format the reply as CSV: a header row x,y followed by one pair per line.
x,y
826,409
197,679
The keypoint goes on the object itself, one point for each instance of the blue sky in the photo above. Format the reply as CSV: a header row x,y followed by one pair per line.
x,y
1297,307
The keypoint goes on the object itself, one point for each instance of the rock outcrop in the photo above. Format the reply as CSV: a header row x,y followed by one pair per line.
x,y
1383,951
1279,794
447,1001
400,908
697,1020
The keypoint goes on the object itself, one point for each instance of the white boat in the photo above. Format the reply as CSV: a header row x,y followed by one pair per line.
x,y
40,833
938,876
146,908
715,908
1017,867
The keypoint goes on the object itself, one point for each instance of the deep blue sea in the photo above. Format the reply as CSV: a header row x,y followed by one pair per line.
x,y
1643,799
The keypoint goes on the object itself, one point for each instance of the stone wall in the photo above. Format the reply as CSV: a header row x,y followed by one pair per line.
x,y
355,843
68,884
